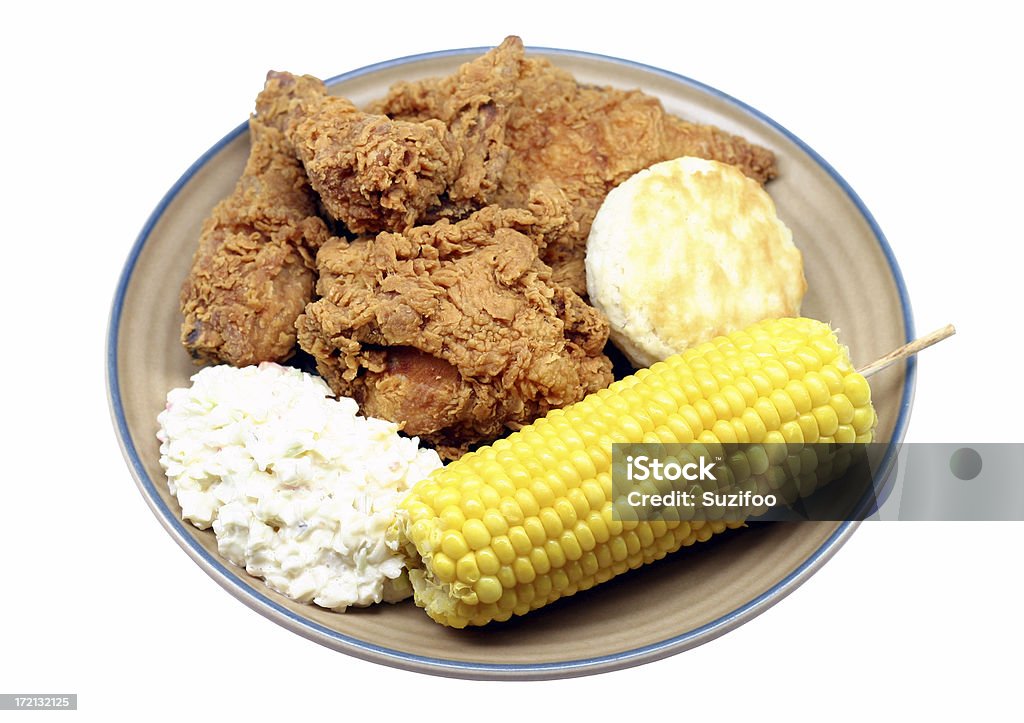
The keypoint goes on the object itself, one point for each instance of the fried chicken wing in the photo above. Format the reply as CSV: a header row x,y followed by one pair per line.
x,y
284,99
254,271
585,139
456,329
475,104
372,173
375,173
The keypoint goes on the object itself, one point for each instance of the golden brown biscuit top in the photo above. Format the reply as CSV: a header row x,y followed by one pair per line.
x,y
686,250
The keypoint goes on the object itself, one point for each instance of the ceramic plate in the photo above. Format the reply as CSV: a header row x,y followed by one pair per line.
x,y
682,601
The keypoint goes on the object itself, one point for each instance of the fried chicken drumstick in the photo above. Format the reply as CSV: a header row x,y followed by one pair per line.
x,y
254,269
455,329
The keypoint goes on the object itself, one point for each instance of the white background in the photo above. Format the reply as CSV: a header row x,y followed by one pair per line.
x,y
104,108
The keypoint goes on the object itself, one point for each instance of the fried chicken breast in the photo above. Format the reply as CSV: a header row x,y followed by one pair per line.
x,y
456,329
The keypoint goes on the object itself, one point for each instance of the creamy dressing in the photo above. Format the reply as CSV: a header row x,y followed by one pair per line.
x,y
298,488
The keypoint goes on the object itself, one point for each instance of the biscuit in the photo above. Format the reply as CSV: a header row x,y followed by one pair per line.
x,y
686,250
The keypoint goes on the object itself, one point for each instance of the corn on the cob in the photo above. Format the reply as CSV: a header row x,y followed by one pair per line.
x,y
529,519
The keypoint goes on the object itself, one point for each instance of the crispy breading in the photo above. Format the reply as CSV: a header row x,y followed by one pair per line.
x,y
374,173
370,172
456,329
253,271
284,99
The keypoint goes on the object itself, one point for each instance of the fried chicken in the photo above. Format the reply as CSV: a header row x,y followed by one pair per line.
x,y
370,172
254,271
284,99
459,311
475,108
456,329
374,173
585,139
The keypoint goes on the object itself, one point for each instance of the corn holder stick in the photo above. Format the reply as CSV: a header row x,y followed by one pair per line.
x,y
909,349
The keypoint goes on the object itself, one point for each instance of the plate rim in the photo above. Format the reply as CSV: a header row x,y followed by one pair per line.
x,y
231,580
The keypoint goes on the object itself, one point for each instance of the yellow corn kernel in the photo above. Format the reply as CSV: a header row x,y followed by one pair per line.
x,y
863,419
694,421
843,407
566,512
809,428
551,522
585,536
833,377
503,548
542,493
596,524
520,541
800,397
527,504
524,570
579,502
724,432
555,553
856,389
809,359
447,497
817,388
539,560
776,372
476,534
488,589
488,562
680,429
792,433
452,518
444,567
473,507
784,407
505,577
453,544
827,419
466,569
768,414
845,434
740,430
508,602
756,428
535,530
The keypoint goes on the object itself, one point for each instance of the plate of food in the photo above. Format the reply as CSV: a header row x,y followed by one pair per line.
x,y
368,357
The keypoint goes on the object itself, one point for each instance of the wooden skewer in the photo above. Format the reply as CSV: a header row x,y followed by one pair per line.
x,y
907,350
